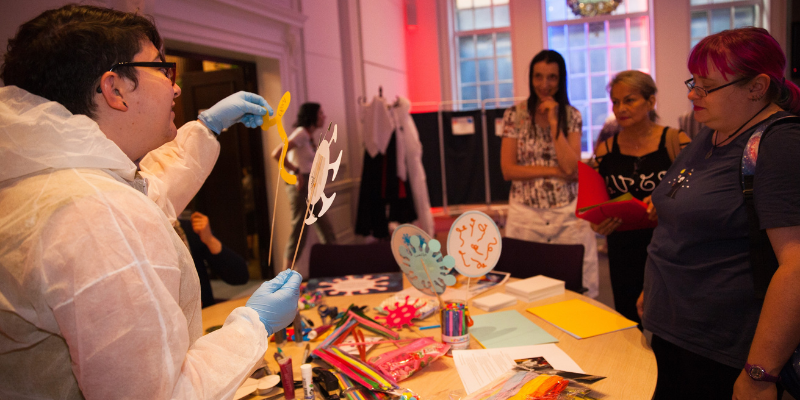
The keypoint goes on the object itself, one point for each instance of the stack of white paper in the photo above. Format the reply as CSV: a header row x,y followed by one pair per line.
x,y
494,301
535,288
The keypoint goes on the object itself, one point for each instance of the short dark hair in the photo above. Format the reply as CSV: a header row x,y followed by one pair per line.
x,y
548,57
61,54
307,115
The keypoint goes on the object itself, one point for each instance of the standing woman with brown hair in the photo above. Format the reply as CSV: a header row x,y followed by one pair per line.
x,y
633,161
540,152
710,328
300,151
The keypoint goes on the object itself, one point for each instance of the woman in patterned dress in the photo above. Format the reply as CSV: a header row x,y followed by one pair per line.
x,y
540,152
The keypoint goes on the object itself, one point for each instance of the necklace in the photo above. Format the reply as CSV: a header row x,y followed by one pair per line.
x,y
715,144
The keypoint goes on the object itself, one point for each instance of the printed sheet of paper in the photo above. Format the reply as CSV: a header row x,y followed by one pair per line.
x,y
478,368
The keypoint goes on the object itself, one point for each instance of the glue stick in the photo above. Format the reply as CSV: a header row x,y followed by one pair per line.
x,y
308,384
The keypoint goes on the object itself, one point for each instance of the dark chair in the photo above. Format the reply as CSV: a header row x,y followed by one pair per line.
x,y
525,259
328,260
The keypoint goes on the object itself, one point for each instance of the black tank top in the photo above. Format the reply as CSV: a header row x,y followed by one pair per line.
x,y
638,176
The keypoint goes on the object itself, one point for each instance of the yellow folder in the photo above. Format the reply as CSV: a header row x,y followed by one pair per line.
x,y
581,319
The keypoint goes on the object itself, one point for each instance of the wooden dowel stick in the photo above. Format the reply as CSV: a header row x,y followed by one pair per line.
x,y
441,303
274,210
308,205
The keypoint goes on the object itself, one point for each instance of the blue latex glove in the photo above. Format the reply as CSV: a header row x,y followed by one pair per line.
x,y
243,107
276,300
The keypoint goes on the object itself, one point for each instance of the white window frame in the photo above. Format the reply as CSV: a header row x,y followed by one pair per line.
x,y
454,36
587,127
760,19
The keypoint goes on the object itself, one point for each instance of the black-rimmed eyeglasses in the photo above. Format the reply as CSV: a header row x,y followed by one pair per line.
x,y
703,92
168,68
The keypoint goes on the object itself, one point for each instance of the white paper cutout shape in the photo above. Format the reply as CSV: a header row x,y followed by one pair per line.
x,y
415,251
475,243
319,176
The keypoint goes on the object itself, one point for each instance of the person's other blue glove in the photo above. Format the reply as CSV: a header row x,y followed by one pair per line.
x,y
276,300
244,107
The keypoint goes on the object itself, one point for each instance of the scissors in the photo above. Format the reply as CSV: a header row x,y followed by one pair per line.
x,y
325,311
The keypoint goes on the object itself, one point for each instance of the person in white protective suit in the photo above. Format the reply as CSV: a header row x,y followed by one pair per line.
x,y
99,297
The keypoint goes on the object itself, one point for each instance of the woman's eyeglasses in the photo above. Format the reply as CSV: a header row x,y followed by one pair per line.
x,y
703,92
169,69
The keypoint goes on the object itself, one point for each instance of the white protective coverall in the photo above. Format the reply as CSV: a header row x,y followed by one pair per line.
x,y
98,295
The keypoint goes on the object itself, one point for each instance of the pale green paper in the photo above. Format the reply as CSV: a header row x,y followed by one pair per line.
x,y
507,329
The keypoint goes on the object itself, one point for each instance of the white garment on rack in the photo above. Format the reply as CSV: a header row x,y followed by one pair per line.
x,y
409,163
377,126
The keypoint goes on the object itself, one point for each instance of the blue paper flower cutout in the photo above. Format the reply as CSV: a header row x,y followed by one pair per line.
x,y
419,256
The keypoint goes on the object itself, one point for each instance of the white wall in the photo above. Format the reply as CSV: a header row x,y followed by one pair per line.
x,y
671,21
384,49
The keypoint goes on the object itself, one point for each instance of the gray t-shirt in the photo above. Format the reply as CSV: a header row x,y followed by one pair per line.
x,y
698,285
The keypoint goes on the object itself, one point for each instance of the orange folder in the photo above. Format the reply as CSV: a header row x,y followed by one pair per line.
x,y
595,206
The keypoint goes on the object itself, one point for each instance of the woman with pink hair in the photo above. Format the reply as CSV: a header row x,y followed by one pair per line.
x,y
719,332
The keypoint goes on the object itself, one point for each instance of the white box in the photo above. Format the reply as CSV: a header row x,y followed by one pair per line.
x,y
535,288
495,301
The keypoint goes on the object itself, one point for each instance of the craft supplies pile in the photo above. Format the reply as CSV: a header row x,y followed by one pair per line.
x,y
369,357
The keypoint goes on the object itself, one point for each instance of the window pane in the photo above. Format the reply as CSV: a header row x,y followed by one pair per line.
x,y
466,46
618,58
556,10
597,60
461,4
556,38
699,24
616,31
503,44
504,70
577,62
599,113
483,18
466,20
482,3
597,34
501,17
498,2
583,108
469,92
576,35
720,20
744,16
636,58
694,42
468,71
577,89
636,5
485,46
486,70
698,2
585,141
506,90
487,92
639,29
599,87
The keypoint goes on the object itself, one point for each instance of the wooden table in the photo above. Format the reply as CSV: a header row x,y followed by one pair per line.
x,y
623,357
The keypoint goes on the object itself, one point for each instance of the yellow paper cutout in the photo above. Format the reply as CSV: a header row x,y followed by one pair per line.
x,y
277,119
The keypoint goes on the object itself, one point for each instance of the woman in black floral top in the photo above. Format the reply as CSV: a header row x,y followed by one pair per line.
x,y
539,154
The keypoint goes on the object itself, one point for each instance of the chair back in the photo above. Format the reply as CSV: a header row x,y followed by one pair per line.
x,y
327,260
525,259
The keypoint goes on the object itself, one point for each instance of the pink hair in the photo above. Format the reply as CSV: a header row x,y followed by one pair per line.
x,y
747,52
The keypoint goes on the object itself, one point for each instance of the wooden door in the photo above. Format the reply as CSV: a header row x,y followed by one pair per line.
x,y
234,211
